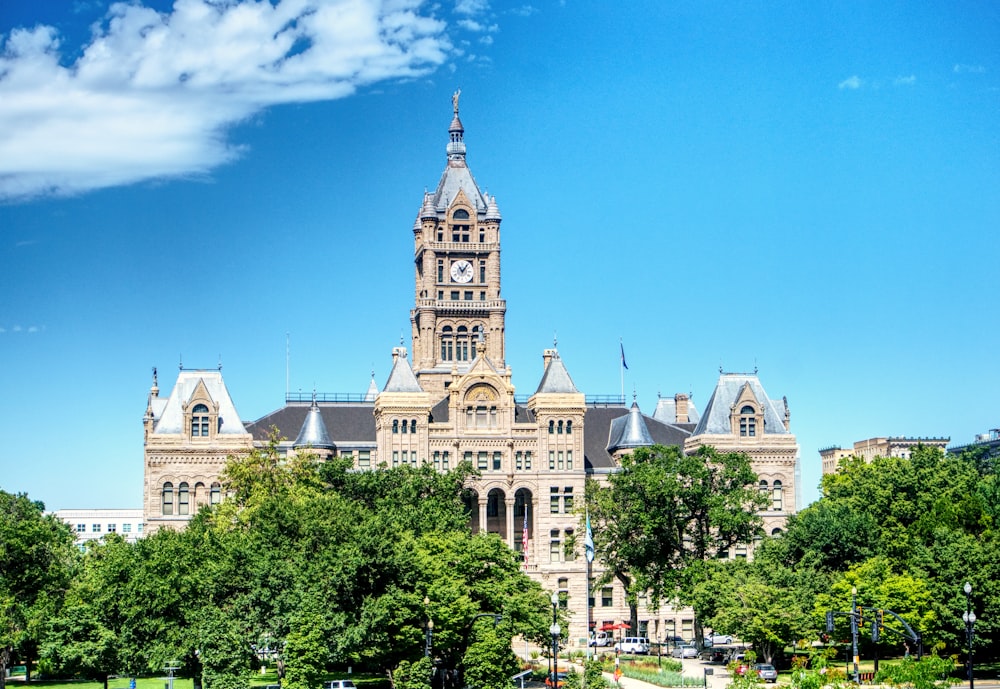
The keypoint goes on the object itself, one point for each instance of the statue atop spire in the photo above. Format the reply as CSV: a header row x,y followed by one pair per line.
x,y
454,100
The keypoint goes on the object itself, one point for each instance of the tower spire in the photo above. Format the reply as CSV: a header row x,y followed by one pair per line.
x,y
456,134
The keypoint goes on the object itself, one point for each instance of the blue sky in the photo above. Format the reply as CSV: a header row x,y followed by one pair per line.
x,y
810,190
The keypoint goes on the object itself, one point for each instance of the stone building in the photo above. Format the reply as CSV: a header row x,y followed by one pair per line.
x,y
455,401
898,446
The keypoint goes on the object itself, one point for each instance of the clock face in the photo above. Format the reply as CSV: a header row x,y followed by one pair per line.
x,y
461,271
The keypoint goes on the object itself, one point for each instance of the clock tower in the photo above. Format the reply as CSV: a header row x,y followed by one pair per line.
x,y
457,300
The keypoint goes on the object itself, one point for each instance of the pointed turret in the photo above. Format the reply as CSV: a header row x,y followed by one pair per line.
x,y
629,432
556,378
313,432
372,390
401,378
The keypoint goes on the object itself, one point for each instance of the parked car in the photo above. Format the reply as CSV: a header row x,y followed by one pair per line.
x,y
684,651
339,684
721,639
635,645
717,655
560,680
674,640
766,672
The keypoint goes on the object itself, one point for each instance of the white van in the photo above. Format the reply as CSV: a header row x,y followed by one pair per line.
x,y
599,639
635,645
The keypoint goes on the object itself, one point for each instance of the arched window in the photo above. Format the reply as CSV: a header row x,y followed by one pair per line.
x,y
215,494
776,532
167,499
569,427
560,428
462,344
447,344
413,425
183,498
477,335
395,425
776,497
552,426
460,214
748,421
762,487
199,421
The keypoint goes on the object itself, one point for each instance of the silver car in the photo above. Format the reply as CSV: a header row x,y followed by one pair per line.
x,y
766,672
684,651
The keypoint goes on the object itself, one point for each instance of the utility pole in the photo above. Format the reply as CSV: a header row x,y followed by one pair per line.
x,y
854,632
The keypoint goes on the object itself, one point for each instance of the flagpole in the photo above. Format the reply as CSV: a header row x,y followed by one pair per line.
x,y
588,547
621,368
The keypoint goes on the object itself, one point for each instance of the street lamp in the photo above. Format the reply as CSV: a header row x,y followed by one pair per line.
x,y
969,617
555,631
429,636
854,632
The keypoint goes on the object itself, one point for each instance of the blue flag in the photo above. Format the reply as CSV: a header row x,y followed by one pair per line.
x,y
588,543
624,365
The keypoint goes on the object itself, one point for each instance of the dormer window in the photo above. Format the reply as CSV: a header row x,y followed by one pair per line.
x,y
199,421
748,422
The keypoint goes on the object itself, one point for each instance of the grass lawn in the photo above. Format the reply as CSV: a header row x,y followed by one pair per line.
x,y
256,680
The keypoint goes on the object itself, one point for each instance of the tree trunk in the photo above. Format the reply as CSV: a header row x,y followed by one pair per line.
x,y
4,662
105,681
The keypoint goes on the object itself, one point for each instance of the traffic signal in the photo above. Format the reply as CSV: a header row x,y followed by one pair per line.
x,y
875,631
829,621
861,617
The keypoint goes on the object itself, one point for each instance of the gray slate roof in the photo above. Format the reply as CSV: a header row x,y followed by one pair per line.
x,y
401,378
556,378
353,424
666,411
169,417
597,433
717,413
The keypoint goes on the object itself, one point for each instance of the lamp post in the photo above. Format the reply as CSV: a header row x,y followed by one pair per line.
x,y
969,617
555,631
854,632
429,636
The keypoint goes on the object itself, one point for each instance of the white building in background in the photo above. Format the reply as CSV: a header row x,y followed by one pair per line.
x,y
90,525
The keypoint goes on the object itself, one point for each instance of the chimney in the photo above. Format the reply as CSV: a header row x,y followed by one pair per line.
x,y
681,407
547,358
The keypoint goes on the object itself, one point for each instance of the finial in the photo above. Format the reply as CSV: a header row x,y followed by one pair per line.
x,y
314,396
720,369
454,100
220,362
155,384
400,338
373,371
555,340
180,361
633,393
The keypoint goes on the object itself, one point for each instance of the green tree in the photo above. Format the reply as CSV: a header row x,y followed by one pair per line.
x,y
665,512
37,556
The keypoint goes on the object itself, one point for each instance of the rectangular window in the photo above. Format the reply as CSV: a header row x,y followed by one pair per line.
x,y
568,504
527,460
405,455
607,597
687,628
440,295
741,551
552,459
444,460
569,459
562,464
96,528
519,460
570,554
468,295
395,458
481,461
364,458
554,550
482,271
126,528
468,456
454,295
81,528
554,504
112,528
440,271
138,528
497,461
482,296
437,459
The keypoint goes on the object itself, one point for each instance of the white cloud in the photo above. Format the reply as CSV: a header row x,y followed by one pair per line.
x,y
524,10
152,94
471,7
969,69
852,82
906,81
